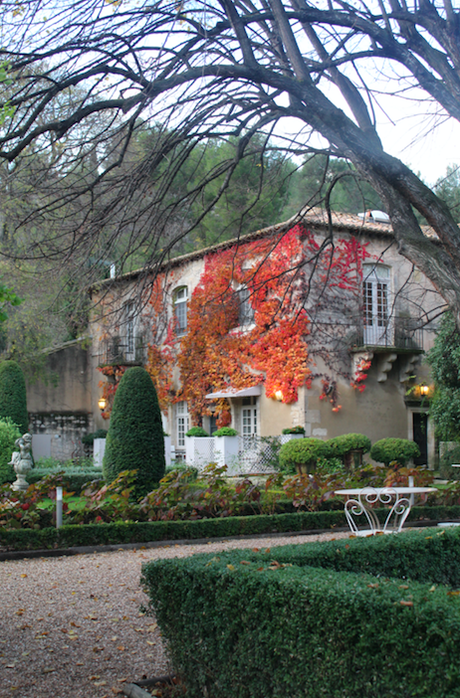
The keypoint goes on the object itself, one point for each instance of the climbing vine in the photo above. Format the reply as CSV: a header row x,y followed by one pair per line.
x,y
288,281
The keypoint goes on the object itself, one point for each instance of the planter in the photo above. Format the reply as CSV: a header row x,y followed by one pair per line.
x,y
167,451
353,459
288,437
199,451
98,452
226,450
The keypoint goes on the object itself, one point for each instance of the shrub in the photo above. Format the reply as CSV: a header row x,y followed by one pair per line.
x,y
88,439
399,450
135,438
299,621
449,456
294,430
347,445
301,454
8,435
13,399
226,431
197,431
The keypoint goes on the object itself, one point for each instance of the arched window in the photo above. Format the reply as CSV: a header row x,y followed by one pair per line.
x,y
180,298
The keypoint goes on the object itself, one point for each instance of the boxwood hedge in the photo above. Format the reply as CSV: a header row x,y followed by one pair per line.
x,y
252,624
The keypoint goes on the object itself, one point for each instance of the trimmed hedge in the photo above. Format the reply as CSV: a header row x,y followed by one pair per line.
x,y
302,453
284,628
391,449
13,397
8,435
72,481
140,532
135,438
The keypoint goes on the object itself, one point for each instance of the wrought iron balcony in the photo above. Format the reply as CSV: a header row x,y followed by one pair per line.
x,y
117,351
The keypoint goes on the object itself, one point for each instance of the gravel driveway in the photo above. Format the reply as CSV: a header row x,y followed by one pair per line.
x,y
71,628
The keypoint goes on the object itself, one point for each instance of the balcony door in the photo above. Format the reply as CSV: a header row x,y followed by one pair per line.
x,y
378,325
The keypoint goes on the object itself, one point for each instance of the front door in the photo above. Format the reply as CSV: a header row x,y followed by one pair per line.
x,y
420,434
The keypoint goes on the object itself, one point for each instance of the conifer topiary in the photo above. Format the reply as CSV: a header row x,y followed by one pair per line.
x,y
135,438
13,396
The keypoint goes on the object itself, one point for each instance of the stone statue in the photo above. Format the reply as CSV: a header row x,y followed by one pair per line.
x,y
22,462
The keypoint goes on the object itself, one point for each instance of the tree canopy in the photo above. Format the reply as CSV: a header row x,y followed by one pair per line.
x,y
88,76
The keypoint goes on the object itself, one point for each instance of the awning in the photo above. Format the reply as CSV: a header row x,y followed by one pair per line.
x,y
232,392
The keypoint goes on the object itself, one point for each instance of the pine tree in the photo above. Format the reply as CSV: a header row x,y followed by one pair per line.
x,y
13,396
135,438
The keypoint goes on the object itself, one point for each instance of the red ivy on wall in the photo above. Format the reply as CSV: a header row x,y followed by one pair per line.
x,y
217,354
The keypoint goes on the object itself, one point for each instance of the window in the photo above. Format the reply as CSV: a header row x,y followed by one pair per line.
x,y
181,423
378,328
245,309
180,310
249,417
129,338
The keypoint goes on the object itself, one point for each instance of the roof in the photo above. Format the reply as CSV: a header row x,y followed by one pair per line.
x,y
317,217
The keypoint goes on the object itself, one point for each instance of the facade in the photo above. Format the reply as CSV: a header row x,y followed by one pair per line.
x,y
309,324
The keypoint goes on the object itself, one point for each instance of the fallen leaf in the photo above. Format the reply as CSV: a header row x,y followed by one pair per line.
x,y
151,643
10,666
244,562
20,612
100,683
121,648
230,567
374,586
94,677
23,575
152,628
255,550
48,670
403,586
406,603
453,593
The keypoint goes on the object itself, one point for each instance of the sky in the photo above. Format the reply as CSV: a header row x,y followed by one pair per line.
x,y
425,148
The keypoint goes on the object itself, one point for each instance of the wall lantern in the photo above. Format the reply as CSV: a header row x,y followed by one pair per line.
x,y
101,403
279,395
424,390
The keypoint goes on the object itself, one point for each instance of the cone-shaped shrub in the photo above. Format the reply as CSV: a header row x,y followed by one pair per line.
x,y
13,397
135,438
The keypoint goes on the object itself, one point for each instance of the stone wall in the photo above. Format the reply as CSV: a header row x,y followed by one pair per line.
x,y
64,432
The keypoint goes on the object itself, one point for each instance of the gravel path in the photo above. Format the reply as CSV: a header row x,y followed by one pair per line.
x,y
70,627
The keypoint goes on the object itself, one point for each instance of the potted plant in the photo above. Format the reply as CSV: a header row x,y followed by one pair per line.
x,y
301,455
199,447
226,448
297,432
400,450
349,448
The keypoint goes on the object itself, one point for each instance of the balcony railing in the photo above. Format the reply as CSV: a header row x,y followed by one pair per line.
x,y
398,333
117,351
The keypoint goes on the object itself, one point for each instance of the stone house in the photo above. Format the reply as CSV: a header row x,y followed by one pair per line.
x,y
320,324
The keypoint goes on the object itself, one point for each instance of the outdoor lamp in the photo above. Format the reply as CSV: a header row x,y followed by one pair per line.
x,y
279,395
101,403
424,390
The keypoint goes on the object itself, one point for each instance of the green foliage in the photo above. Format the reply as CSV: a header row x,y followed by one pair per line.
x,y
74,479
8,435
226,431
448,189
301,453
106,503
449,456
310,184
294,430
88,439
343,444
13,398
444,359
24,509
197,431
315,607
391,449
135,438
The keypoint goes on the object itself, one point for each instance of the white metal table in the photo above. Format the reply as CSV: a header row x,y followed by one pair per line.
x,y
360,501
